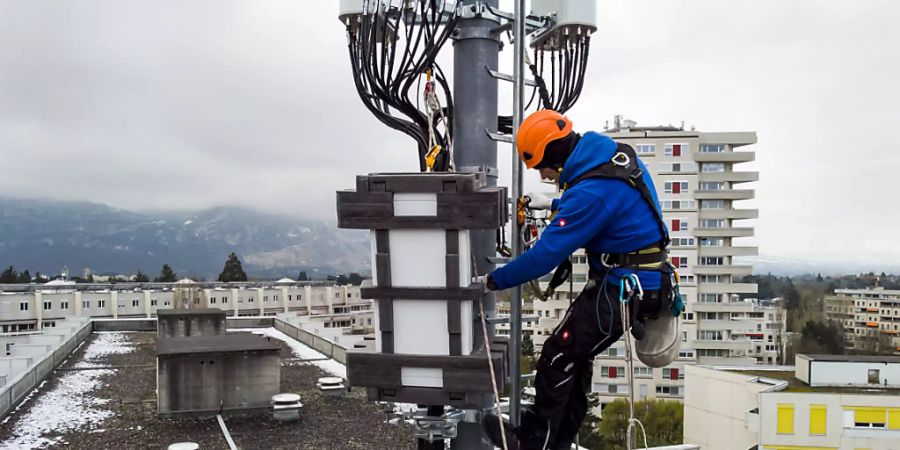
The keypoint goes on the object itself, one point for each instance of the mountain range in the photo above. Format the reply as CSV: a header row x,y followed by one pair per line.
x,y
47,235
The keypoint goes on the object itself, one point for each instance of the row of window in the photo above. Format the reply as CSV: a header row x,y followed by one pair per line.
x,y
677,204
678,149
668,373
854,417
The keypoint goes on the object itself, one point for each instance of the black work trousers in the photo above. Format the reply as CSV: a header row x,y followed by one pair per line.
x,y
564,370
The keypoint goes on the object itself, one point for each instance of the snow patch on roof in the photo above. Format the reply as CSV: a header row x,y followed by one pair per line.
x,y
302,351
70,405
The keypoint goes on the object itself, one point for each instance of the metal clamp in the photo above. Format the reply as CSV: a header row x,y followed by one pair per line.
x,y
437,428
499,137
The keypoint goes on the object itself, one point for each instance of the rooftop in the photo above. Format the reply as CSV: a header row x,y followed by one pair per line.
x,y
782,373
104,396
854,358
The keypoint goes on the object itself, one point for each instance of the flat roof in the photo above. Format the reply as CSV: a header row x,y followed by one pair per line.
x,y
232,342
190,312
797,386
853,358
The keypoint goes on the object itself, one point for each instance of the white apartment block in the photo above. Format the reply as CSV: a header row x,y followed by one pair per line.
x,y
698,187
32,307
870,318
825,402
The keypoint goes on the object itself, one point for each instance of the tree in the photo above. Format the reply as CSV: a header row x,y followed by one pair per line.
x,y
661,419
302,276
24,277
355,279
527,346
588,435
232,270
822,337
141,277
341,280
166,275
9,276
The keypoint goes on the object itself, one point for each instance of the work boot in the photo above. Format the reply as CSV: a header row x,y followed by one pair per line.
x,y
530,436
491,425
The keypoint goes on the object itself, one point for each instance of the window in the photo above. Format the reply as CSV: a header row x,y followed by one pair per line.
x,y
785,418
23,306
101,303
710,335
120,305
63,305
85,304
167,302
686,354
869,417
713,167
135,303
712,242
677,204
688,316
713,186
679,225
224,300
611,372
668,390
250,300
712,223
643,372
675,187
714,279
874,375
817,419
153,302
579,259
676,149
672,373
679,262
712,148
265,298
687,278
212,300
683,242
645,149
712,261
47,305
712,205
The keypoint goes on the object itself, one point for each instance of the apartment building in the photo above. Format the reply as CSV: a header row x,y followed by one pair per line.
x,y
699,187
33,307
870,318
824,402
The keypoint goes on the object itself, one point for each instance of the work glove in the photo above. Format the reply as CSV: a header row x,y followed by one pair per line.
x,y
678,303
539,200
486,281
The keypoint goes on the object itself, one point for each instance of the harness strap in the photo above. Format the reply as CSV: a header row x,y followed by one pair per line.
x,y
624,167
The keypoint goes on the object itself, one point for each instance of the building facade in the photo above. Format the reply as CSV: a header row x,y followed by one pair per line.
x,y
32,307
825,402
870,318
699,187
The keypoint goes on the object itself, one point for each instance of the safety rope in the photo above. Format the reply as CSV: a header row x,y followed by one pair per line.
x,y
625,304
487,349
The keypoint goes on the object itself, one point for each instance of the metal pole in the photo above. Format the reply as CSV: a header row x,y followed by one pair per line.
x,y
515,320
475,49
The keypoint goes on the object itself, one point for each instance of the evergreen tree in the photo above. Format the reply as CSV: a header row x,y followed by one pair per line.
x,y
527,346
9,276
232,270
141,277
355,279
302,276
24,277
166,275
589,436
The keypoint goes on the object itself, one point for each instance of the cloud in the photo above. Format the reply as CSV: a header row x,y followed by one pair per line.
x,y
148,104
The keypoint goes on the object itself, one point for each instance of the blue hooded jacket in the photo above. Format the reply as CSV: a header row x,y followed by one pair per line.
x,y
600,215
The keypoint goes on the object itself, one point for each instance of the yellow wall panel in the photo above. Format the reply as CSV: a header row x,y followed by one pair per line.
x,y
785,418
817,419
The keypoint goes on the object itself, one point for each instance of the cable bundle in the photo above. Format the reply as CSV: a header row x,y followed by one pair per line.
x,y
392,45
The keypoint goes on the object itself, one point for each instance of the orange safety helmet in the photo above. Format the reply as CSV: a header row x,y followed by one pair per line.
x,y
538,130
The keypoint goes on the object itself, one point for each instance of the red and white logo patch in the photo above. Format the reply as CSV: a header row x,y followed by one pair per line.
x,y
562,222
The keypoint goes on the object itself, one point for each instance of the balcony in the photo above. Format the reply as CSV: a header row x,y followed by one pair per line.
x,y
732,138
723,232
734,177
729,251
739,270
726,157
728,288
724,194
734,214
735,326
735,344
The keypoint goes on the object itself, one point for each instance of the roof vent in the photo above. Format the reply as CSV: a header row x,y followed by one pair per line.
x,y
332,386
286,407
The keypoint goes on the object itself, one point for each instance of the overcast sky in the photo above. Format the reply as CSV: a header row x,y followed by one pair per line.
x,y
164,104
